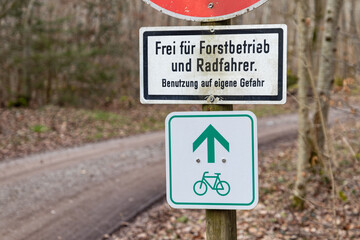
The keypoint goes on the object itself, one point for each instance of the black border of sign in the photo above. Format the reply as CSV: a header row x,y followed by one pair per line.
x,y
254,98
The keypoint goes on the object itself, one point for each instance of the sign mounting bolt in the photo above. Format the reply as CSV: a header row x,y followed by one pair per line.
x,y
198,160
223,160
211,5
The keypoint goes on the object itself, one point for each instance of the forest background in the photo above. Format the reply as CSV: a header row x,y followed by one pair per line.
x,y
69,74
85,53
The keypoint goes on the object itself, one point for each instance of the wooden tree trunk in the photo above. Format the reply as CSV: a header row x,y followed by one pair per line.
x,y
26,50
326,71
354,55
344,46
304,146
316,33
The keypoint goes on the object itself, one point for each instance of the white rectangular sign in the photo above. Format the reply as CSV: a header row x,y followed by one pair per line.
x,y
213,64
212,160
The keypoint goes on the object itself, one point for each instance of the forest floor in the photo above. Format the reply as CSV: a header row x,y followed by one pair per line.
x,y
25,131
327,215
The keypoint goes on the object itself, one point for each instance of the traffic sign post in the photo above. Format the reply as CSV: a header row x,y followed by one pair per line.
x,y
213,64
212,160
218,66
212,164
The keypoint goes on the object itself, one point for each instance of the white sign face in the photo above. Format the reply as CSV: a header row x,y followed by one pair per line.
x,y
211,160
213,64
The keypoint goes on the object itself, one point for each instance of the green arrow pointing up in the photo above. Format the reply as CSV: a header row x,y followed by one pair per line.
x,y
210,134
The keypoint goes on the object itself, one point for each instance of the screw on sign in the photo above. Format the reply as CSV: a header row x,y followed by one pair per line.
x,y
205,10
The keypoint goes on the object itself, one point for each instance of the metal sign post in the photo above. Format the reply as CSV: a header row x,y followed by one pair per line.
x,y
178,67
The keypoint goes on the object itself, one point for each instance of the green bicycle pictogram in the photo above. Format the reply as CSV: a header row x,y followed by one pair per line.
x,y
221,187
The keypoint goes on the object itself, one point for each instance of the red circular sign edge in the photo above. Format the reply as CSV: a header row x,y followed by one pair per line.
x,y
203,9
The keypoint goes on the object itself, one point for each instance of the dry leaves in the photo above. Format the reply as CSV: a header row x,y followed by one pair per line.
x,y
25,131
274,217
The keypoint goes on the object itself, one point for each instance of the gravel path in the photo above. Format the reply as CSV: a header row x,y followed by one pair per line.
x,y
80,193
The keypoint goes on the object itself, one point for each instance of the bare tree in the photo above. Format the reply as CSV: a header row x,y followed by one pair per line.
x,y
27,49
304,147
318,18
326,71
6,6
354,55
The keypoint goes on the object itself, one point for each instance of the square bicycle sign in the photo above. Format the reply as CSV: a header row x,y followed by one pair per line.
x,y
211,160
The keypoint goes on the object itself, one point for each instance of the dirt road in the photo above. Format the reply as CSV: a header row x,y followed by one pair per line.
x,y
80,193
85,192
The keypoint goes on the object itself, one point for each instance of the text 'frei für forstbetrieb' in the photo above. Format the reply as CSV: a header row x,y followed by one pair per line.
x,y
203,49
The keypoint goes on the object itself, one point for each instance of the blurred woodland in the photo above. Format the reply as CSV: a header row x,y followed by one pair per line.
x,y
66,62
85,53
